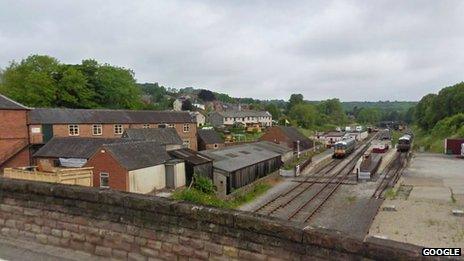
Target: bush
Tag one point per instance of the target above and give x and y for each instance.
(204, 185)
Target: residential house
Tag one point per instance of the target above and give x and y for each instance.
(177, 104)
(200, 118)
(288, 136)
(165, 136)
(245, 117)
(238, 166)
(195, 163)
(72, 152)
(46, 123)
(14, 145)
(209, 139)
(136, 166)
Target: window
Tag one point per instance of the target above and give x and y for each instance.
(146, 126)
(73, 130)
(97, 129)
(186, 127)
(162, 125)
(216, 145)
(104, 180)
(170, 125)
(186, 143)
(118, 129)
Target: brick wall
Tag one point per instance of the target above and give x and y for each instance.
(125, 225)
(85, 130)
(13, 124)
(104, 162)
(14, 150)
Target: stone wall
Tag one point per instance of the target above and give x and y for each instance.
(124, 225)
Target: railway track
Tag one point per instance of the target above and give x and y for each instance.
(392, 174)
(309, 208)
(288, 196)
(294, 204)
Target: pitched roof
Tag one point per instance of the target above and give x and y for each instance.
(72, 147)
(138, 154)
(68, 116)
(190, 156)
(164, 136)
(237, 157)
(293, 134)
(209, 136)
(8, 104)
(244, 113)
(273, 147)
(334, 134)
(10, 147)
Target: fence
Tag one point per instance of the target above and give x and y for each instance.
(72, 176)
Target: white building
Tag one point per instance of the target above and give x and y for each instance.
(228, 118)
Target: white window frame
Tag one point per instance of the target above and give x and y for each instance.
(97, 127)
(186, 143)
(104, 175)
(118, 129)
(186, 127)
(170, 125)
(146, 126)
(73, 130)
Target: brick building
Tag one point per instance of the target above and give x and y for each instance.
(136, 166)
(288, 136)
(99, 123)
(209, 139)
(14, 144)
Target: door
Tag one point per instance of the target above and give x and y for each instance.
(47, 132)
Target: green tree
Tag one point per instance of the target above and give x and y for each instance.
(305, 115)
(369, 115)
(295, 99)
(72, 91)
(273, 110)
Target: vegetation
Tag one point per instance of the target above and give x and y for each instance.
(203, 193)
(439, 116)
(42, 81)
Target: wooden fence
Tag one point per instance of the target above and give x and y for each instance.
(73, 176)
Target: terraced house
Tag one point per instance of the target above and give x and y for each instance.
(45, 123)
(245, 117)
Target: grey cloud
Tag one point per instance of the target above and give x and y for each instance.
(354, 50)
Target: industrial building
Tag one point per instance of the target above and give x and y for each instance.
(238, 166)
(165, 136)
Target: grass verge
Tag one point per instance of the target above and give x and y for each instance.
(197, 196)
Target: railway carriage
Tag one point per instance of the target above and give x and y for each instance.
(343, 148)
(404, 143)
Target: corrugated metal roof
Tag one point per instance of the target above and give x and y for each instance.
(209, 136)
(72, 147)
(233, 158)
(68, 116)
(165, 136)
(190, 156)
(138, 154)
(8, 104)
(273, 147)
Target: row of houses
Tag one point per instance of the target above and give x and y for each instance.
(136, 151)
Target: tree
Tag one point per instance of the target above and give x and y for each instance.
(305, 115)
(187, 105)
(273, 110)
(369, 115)
(32, 81)
(206, 95)
(294, 100)
(72, 91)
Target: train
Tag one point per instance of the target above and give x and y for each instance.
(343, 148)
(404, 143)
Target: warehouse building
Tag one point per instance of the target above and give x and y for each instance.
(238, 166)
(165, 136)
(195, 163)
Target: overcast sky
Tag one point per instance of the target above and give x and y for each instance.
(353, 50)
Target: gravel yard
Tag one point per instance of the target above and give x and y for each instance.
(424, 217)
